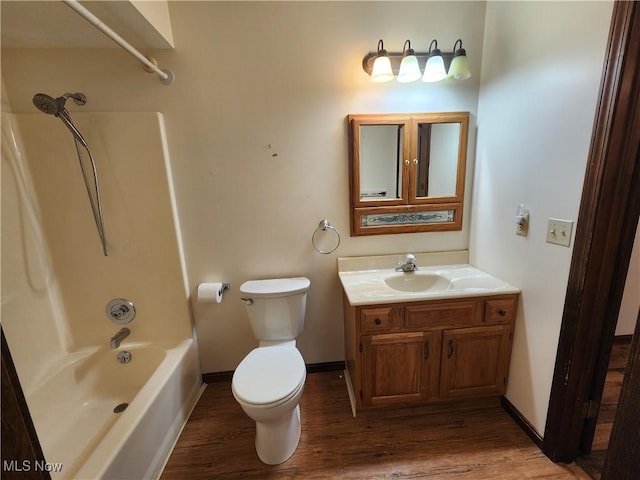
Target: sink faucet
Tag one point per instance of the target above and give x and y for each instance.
(408, 265)
(114, 342)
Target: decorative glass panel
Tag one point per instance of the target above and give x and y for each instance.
(406, 218)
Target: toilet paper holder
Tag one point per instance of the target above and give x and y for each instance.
(212, 292)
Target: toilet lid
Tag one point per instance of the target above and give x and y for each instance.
(275, 287)
(268, 374)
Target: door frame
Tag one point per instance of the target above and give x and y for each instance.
(605, 234)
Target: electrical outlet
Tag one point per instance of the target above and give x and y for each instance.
(559, 231)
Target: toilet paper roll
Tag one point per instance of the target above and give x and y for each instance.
(210, 292)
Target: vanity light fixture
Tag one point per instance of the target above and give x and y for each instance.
(459, 69)
(408, 65)
(434, 69)
(381, 71)
(409, 68)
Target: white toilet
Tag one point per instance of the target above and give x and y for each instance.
(268, 382)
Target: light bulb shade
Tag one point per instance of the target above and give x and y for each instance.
(381, 71)
(459, 68)
(409, 69)
(434, 70)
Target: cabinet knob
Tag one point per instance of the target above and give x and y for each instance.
(450, 349)
(377, 321)
(502, 313)
(426, 350)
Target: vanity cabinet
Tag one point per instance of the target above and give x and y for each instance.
(429, 351)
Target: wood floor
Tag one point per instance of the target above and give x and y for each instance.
(409, 443)
(593, 462)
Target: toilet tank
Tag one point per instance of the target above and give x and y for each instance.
(276, 306)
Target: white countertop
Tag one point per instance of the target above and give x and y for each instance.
(368, 287)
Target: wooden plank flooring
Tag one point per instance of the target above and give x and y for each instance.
(593, 462)
(407, 443)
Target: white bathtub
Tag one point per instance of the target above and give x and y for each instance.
(72, 409)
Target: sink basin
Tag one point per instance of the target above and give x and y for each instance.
(417, 282)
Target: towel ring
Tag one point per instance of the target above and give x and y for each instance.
(323, 226)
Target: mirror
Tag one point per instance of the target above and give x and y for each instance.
(437, 166)
(407, 171)
(380, 161)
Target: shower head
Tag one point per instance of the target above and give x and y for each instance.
(55, 106)
(47, 104)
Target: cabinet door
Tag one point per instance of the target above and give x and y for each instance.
(400, 367)
(475, 361)
(379, 150)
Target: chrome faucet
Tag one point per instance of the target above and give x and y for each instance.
(114, 342)
(409, 265)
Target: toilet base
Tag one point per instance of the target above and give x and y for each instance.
(276, 441)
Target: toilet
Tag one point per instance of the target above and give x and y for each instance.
(268, 382)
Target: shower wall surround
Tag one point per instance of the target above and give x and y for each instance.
(144, 262)
(33, 316)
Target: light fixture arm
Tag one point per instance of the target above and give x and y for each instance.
(406, 48)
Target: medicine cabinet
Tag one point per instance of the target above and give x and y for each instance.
(407, 172)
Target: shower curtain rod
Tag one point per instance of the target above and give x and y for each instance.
(166, 76)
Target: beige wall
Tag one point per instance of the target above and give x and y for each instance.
(250, 76)
(541, 73)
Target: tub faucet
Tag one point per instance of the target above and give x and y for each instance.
(409, 265)
(115, 341)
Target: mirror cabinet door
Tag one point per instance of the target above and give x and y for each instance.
(435, 164)
(381, 162)
(380, 153)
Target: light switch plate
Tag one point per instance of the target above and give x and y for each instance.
(559, 231)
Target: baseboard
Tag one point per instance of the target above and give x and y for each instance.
(216, 377)
(325, 367)
(522, 422)
(622, 338)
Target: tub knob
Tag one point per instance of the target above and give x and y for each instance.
(121, 310)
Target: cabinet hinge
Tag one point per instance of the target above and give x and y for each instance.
(360, 394)
(504, 381)
(360, 347)
(589, 409)
(510, 335)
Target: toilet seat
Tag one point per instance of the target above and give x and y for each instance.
(269, 376)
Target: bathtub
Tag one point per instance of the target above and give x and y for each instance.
(73, 409)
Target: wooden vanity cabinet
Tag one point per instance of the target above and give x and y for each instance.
(430, 351)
